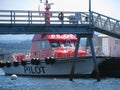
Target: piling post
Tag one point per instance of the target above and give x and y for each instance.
(75, 57)
(94, 59)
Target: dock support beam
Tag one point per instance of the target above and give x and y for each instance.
(75, 56)
(94, 59)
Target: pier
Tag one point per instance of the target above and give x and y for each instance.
(31, 22)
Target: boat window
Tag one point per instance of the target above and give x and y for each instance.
(43, 44)
(74, 43)
(47, 44)
(67, 44)
(40, 44)
(55, 44)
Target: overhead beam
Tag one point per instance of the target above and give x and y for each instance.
(43, 28)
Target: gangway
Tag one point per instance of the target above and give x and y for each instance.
(105, 25)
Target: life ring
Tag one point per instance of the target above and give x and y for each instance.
(61, 16)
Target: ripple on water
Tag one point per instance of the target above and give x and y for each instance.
(37, 83)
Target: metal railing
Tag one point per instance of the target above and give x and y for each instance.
(38, 17)
(106, 23)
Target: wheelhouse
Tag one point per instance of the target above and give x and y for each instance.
(54, 45)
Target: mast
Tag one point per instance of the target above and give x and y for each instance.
(90, 19)
(47, 12)
(89, 5)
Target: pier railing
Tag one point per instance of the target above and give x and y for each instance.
(38, 17)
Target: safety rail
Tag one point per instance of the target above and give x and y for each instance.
(38, 17)
(106, 23)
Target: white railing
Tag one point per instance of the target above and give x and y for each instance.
(38, 17)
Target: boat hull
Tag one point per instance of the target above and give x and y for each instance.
(59, 68)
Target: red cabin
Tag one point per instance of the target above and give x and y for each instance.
(54, 45)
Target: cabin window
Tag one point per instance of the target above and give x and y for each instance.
(67, 44)
(43, 44)
(47, 44)
(74, 43)
(39, 45)
(55, 44)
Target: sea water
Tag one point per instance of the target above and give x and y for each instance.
(39, 83)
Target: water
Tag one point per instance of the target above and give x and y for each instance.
(37, 83)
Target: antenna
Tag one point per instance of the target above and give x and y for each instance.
(46, 4)
(47, 9)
